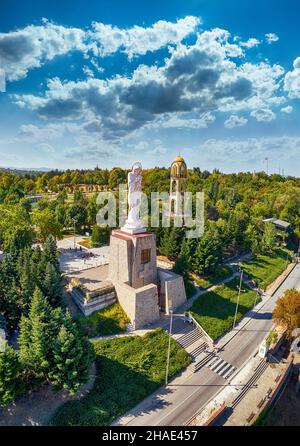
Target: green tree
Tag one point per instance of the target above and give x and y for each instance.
(61, 213)
(268, 240)
(27, 279)
(100, 235)
(10, 376)
(92, 209)
(50, 253)
(52, 285)
(252, 239)
(35, 338)
(208, 254)
(72, 356)
(183, 268)
(46, 224)
(171, 242)
(77, 213)
(117, 176)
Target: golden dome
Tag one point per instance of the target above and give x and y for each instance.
(178, 168)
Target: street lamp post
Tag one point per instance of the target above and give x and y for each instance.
(287, 259)
(238, 299)
(169, 346)
(256, 297)
(74, 221)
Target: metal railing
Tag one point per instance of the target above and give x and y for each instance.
(200, 327)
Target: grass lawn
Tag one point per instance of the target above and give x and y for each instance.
(222, 273)
(86, 243)
(264, 269)
(215, 310)
(109, 321)
(128, 370)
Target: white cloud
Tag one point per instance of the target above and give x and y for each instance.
(194, 81)
(263, 115)
(288, 109)
(292, 80)
(271, 37)
(235, 121)
(250, 43)
(33, 133)
(253, 148)
(32, 46)
(88, 72)
(107, 39)
(182, 120)
(157, 151)
(45, 147)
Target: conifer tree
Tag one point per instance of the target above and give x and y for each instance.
(208, 254)
(170, 244)
(50, 252)
(26, 280)
(72, 356)
(35, 337)
(10, 380)
(37, 254)
(52, 285)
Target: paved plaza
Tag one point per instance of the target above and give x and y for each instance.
(76, 259)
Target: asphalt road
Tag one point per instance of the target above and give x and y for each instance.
(174, 405)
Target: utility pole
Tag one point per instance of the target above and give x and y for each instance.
(169, 346)
(238, 299)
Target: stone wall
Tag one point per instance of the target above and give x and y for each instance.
(172, 290)
(97, 303)
(125, 264)
(140, 305)
(120, 259)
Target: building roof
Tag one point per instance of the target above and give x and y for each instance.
(278, 222)
(179, 158)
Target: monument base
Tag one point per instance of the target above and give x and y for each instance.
(132, 258)
(133, 271)
(142, 289)
(131, 230)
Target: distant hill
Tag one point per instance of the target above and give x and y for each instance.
(24, 170)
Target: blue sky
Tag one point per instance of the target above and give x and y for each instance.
(110, 82)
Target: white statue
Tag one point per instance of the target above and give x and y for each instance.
(133, 222)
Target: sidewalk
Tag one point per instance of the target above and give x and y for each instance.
(250, 402)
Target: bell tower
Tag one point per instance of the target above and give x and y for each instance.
(178, 178)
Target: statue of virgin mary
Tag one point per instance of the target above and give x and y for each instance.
(133, 222)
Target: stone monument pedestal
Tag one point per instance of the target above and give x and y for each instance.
(133, 258)
(133, 271)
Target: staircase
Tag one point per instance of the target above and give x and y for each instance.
(190, 338)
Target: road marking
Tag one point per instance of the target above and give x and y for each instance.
(181, 403)
(220, 367)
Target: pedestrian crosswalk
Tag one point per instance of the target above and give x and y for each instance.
(196, 344)
(217, 365)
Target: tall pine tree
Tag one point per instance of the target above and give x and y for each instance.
(10, 380)
(35, 338)
(52, 285)
(72, 356)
